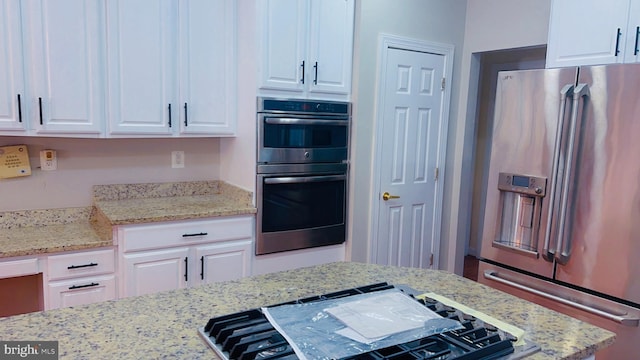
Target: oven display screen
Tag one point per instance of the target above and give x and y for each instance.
(522, 181)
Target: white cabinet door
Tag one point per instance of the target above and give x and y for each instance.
(632, 46)
(154, 271)
(587, 32)
(141, 39)
(306, 47)
(283, 25)
(81, 291)
(207, 67)
(331, 46)
(222, 262)
(65, 50)
(12, 96)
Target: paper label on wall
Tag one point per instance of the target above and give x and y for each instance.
(14, 161)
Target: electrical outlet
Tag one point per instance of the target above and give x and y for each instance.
(48, 160)
(177, 159)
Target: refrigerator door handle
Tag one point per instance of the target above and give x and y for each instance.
(547, 252)
(621, 319)
(563, 250)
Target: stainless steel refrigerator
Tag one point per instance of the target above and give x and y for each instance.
(562, 215)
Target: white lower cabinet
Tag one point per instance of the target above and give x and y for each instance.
(172, 255)
(149, 272)
(80, 278)
(222, 262)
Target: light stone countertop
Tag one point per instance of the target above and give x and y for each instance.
(144, 203)
(33, 232)
(164, 325)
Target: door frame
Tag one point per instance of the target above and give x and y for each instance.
(385, 43)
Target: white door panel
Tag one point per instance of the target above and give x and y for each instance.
(11, 69)
(65, 48)
(409, 153)
(141, 65)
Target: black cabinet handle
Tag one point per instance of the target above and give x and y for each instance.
(315, 79)
(302, 80)
(202, 268)
(186, 269)
(40, 106)
(82, 266)
(195, 234)
(635, 50)
(20, 101)
(169, 115)
(186, 122)
(83, 286)
(618, 42)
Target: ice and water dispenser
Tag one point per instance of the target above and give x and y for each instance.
(520, 207)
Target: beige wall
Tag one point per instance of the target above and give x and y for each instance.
(83, 163)
(440, 21)
(238, 154)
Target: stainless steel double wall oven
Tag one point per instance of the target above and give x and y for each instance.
(301, 188)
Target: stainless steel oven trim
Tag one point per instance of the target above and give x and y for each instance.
(305, 169)
(306, 121)
(306, 179)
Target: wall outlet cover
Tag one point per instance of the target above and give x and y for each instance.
(48, 160)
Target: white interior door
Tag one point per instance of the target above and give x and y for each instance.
(412, 117)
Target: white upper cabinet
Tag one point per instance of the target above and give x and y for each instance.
(593, 32)
(171, 67)
(12, 116)
(632, 46)
(207, 63)
(306, 47)
(56, 66)
(141, 66)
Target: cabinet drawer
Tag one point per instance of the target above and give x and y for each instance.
(162, 235)
(81, 264)
(19, 268)
(81, 291)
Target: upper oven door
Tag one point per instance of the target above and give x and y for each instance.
(289, 138)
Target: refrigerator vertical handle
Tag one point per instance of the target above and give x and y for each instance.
(563, 251)
(567, 90)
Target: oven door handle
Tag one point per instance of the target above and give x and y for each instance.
(303, 179)
(298, 121)
(621, 319)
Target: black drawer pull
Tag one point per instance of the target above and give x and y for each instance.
(40, 107)
(83, 286)
(20, 102)
(186, 269)
(186, 122)
(195, 234)
(202, 268)
(81, 266)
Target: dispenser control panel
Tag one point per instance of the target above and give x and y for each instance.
(524, 184)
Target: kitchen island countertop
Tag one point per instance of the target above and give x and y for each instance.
(164, 325)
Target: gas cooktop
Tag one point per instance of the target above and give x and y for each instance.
(250, 335)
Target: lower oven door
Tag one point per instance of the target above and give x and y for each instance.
(297, 211)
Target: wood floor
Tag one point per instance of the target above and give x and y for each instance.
(470, 267)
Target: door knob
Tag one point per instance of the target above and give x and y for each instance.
(386, 196)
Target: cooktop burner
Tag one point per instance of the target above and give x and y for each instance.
(249, 335)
